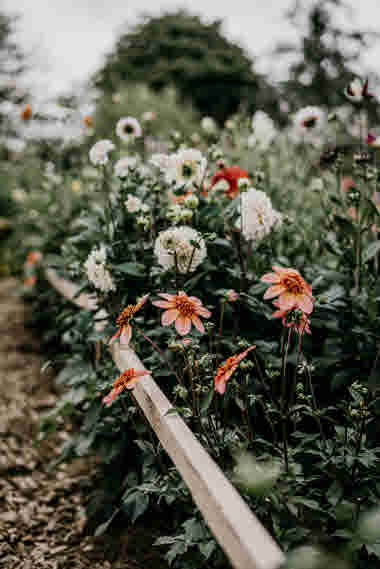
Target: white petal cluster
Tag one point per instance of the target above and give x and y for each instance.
(97, 273)
(355, 91)
(257, 215)
(99, 152)
(264, 131)
(186, 167)
(124, 165)
(134, 204)
(208, 125)
(173, 245)
(161, 161)
(128, 128)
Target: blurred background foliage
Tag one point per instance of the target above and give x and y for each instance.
(179, 67)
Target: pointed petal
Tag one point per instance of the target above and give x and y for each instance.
(169, 316)
(166, 295)
(270, 278)
(142, 372)
(197, 323)
(273, 291)
(202, 311)
(305, 303)
(183, 325)
(162, 304)
(287, 301)
(126, 335)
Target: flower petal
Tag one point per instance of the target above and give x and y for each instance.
(183, 325)
(273, 291)
(141, 372)
(202, 311)
(169, 316)
(305, 303)
(126, 335)
(287, 301)
(167, 295)
(163, 304)
(270, 278)
(197, 323)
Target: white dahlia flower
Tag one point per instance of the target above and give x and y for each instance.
(161, 161)
(186, 167)
(124, 165)
(310, 120)
(257, 215)
(264, 131)
(97, 273)
(133, 204)
(356, 91)
(99, 152)
(208, 125)
(173, 247)
(128, 128)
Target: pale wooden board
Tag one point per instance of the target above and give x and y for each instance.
(243, 538)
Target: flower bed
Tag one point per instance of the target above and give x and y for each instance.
(274, 370)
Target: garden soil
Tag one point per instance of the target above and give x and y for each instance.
(42, 515)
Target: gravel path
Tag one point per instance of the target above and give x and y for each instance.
(42, 520)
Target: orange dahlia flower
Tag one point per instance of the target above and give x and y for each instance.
(224, 371)
(127, 380)
(87, 121)
(183, 310)
(292, 290)
(124, 321)
(33, 257)
(26, 113)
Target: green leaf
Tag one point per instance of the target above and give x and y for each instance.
(100, 530)
(132, 269)
(207, 400)
(135, 504)
(372, 249)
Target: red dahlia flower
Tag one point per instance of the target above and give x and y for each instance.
(231, 175)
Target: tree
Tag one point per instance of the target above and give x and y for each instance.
(179, 49)
(12, 65)
(326, 55)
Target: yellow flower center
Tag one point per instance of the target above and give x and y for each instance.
(294, 284)
(124, 379)
(184, 306)
(125, 317)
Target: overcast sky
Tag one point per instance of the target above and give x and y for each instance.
(69, 37)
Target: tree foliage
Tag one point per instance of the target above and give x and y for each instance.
(325, 57)
(178, 48)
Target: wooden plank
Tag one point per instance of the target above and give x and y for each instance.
(240, 534)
